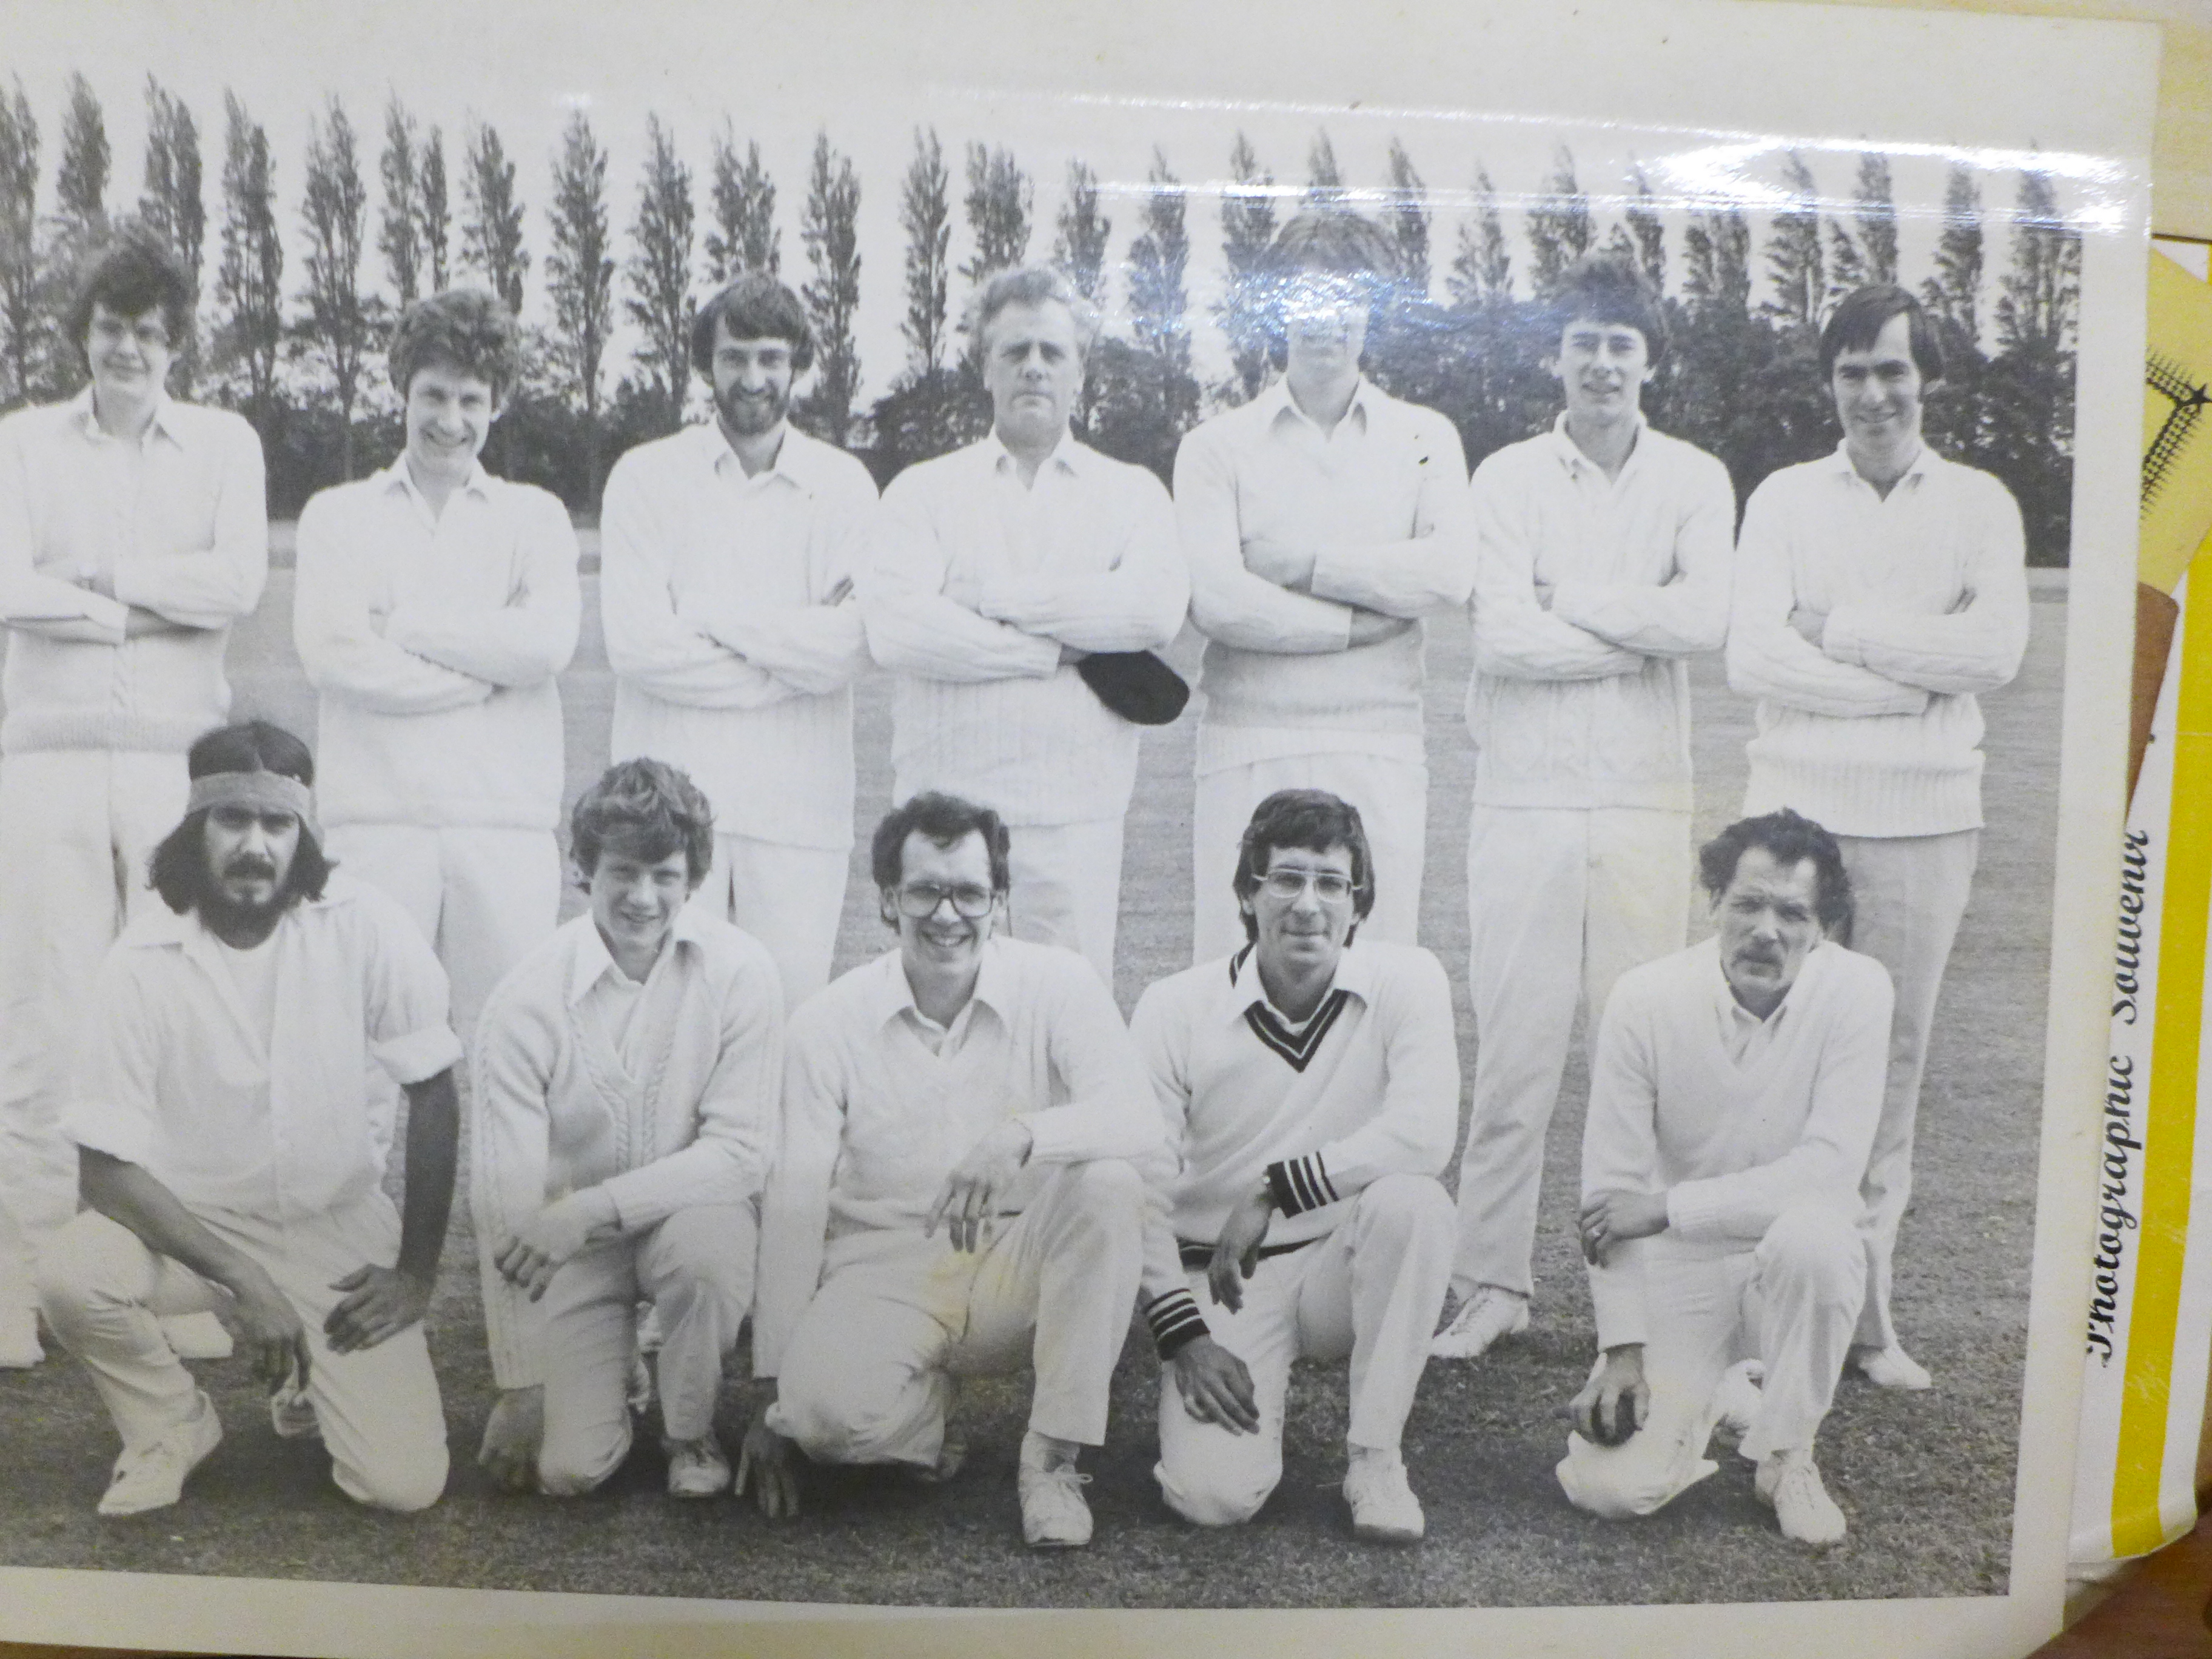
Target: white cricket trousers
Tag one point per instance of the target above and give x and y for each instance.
(789, 898)
(1392, 798)
(1789, 1302)
(1067, 887)
(1908, 893)
(1560, 902)
(1372, 1289)
(483, 897)
(871, 1371)
(77, 828)
(695, 1267)
(105, 1292)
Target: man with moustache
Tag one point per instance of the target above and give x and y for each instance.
(1734, 1098)
(133, 533)
(1878, 592)
(231, 1150)
(997, 568)
(728, 552)
(1605, 547)
(434, 606)
(1322, 520)
(981, 1084)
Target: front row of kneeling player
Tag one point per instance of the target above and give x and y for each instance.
(975, 1167)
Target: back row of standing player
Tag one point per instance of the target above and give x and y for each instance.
(750, 575)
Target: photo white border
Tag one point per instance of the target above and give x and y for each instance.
(1887, 80)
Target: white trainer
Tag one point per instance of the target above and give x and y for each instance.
(696, 1468)
(19, 1339)
(152, 1478)
(1054, 1516)
(1891, 1368)
(1383, 1508)
(1736, 1397)
(1789, 1483)
(197, 1336)
(1490, 1313)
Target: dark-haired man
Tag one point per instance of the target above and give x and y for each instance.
(1877, 590)
(728, 552)
(232, 1155)
(133, 532)
(971, 1082)
(435, 604)
(625, 1095)
(996, 569)
(1735, 1095)
(1311, 1087)
(1322, 520)
(1603, 568)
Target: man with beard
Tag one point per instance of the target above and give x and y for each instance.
(1732, 1101)
(728, 555)
(231, 1155)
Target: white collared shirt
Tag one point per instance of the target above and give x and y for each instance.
(176, 1076)
(433, 639)
(731, 629)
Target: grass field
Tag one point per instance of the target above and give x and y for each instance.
(1926, 1479)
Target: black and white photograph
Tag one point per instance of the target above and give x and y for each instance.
(1048, 812)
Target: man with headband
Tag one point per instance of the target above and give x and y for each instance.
(231, 1159)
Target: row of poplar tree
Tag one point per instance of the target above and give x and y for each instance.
(1742, 381)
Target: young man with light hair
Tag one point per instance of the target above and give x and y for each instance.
(965, 1081)
(1311, 1087)
(133, 533)
(1878, 592)
(434, 606)
(1322, 521)
(625, 1078)
(728, 552)
(1733, 1099)
(234, 1156)
(997, 570)
(1605, 547)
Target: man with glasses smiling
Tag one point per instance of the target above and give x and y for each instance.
(955, 1192)
(1310, 1088)
(133, 532)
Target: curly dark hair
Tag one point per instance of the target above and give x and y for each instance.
(132, 275)
(1789, 838)
(1609, 288)
(945, 819)
(648, 809)
(464, 329)
(178, 868)
(1315, 821)
(755, 307)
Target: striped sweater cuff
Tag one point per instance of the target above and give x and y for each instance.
(1176, 1322)
(1301, 1184)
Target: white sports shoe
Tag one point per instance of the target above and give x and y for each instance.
(1891, 1368)
(292, 1410)
(197, 1336)
(1482, 1319)
(19, 1339)
(1789, 1483)
(1054, 1516)
(1383, 1508)
(154, 1477)
(696, 1468)
(1736, 1397)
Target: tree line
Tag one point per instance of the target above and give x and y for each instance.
(296, 356)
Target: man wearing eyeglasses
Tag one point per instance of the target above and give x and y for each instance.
(133, 532)
(955, 1195)
(1310, 1090)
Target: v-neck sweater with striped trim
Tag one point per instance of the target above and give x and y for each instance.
(1732, 1146)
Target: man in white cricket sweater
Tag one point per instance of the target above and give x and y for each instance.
(1877, 591)
(625, 1075)
(1322, 520)
(1605, 548)
(1734, 1097)
(729, 553)
(133, 532)
(973, 1082)
(435, 605)
(1311, 1087)
(996, 569)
